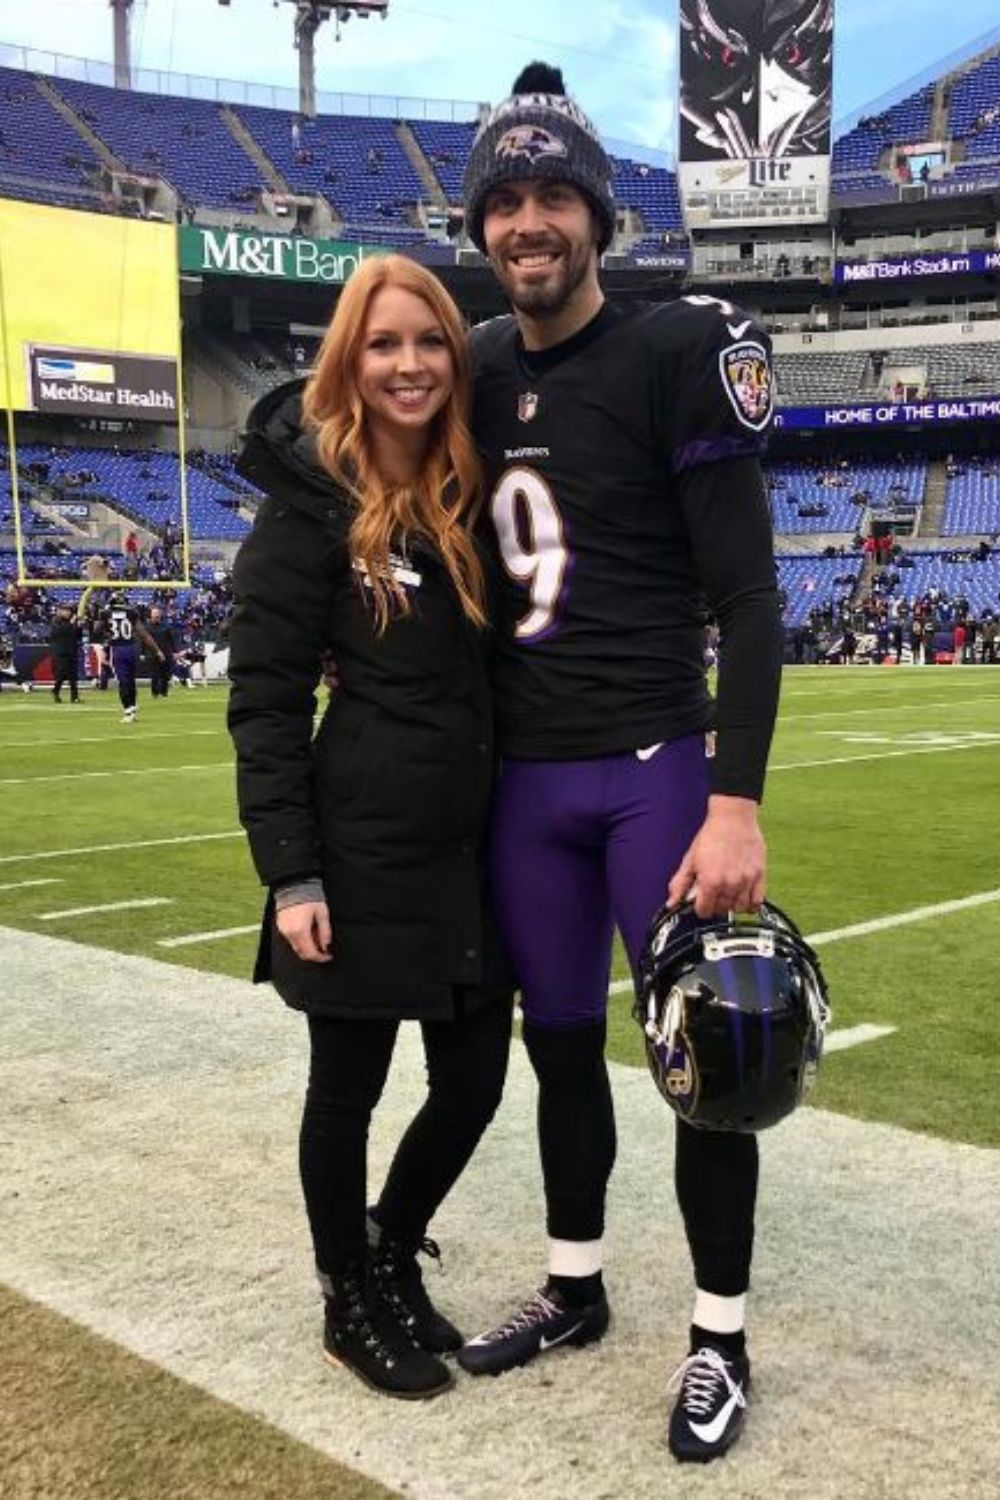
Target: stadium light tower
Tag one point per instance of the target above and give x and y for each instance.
(123, 61)
(309, 17)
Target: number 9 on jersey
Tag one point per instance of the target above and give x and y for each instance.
(530, 533)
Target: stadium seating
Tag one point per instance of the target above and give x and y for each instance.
(881, 486)
(974, 96)
(650, 190)
(811, 582)
(808, 380)
(145, 485)
(355, 162)
(979, 582)
(446, 145)
(42, 158)
(183, 140)
(860, 150)
(972, 498)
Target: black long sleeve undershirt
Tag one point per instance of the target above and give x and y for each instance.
(726, 509)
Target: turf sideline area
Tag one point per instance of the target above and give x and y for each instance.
(151, 1136)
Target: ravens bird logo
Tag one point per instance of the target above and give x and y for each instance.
(530, 141)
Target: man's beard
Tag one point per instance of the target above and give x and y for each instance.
(548, 298)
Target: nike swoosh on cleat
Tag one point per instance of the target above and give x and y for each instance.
(544, 1343)
(739, 330)
(648, 751)
(710, 1432)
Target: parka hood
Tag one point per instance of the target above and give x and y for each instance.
(280, 458)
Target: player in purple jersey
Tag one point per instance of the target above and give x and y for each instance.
(623, 483)
(123, 631)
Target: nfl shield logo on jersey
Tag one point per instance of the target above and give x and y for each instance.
(748, 382)
(527, 405)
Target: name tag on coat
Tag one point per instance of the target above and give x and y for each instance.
(400, 571)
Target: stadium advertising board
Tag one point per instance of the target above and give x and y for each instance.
(659, 260)
(891, 414)
(275, 257)
(90, 302)
(755, 92)
(910, 267)
(77, 382)
(984, 181)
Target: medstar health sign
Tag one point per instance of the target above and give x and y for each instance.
(276, 257)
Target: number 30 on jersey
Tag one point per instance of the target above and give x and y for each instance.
(530, 532)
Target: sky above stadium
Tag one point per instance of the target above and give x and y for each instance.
(618, 56)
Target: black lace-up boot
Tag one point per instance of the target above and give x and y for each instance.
(364, 1334)
(400, 1281)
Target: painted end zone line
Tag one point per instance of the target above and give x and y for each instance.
(86, 911)
(205, 937)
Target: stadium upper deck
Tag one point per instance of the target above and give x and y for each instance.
(61, 140)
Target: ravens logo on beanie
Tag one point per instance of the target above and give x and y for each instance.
(538, 133)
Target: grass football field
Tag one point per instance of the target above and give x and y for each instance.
(882, 800)
(881, 823)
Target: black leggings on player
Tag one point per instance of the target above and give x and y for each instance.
(715, 1172)
(466, 1067)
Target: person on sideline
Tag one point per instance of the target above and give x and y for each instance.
(370, 834)
(64, 639)
(624, 490)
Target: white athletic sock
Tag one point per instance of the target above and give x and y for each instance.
(575, 1257)
(719, 1314)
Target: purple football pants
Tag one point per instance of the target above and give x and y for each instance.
(577, 849)
(580, 847)
(123, 659)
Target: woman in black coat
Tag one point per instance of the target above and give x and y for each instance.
(369, 832)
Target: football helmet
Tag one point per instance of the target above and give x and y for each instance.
(733, 1012)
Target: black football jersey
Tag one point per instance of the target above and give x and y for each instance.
(585, 448)
(120, 623)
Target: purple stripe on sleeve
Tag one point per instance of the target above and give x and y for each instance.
(710, 450)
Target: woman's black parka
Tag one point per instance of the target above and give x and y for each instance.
(388, 802)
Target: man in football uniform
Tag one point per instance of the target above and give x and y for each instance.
(123, 631)
(624, 488)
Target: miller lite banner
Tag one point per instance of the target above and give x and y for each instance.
(756, 81)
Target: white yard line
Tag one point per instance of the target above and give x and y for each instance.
(876, 924)
(846, 760)
(87, 911)
(110, 739)
(206, 937)
(892, 708)
(904, 918)
(184, 838)
(20, 885)
(210, 765)
(854, 1036)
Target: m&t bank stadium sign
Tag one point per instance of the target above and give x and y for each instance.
(276, 257)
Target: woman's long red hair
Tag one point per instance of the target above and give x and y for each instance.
(439, 504)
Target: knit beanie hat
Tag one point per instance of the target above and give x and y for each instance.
(538, 132)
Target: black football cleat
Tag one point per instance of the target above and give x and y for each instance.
(546, 1321)
(711, 1404)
